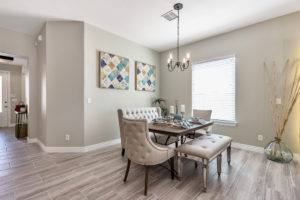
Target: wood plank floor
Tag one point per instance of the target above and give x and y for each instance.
(26, 172)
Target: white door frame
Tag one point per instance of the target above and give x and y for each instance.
(8, 96)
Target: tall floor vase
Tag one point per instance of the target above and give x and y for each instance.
(277, 151)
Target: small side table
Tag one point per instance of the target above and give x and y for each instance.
(20, 116)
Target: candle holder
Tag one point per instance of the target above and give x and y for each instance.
(182, 115)
(172, 117)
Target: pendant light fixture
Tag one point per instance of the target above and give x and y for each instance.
(186, 60)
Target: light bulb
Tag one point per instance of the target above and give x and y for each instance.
(168, 60)
(183, 60)
(171, 56)
(188, 56)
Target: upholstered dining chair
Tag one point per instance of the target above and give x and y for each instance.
(206, 115)
(148, 113)
(141, 150)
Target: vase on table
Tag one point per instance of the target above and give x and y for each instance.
(277, 151)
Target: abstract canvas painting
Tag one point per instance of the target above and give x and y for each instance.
(114, 71)
(145, 77)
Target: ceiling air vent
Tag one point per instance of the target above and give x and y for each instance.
(169, 15)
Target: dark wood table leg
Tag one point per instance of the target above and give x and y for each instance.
(155, 137)
(166, 143)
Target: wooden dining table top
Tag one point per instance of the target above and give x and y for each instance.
(176, 131)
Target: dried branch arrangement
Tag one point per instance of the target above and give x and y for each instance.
(283, 91)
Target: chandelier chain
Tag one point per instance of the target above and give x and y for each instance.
(186, 60)
(178, 36)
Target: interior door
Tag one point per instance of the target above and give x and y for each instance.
(4, 104)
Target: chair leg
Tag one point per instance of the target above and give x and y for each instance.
(219, 164)
(229, 154)
(146, 180)
(176, 144)
(180, 165)
(205, 171)
(123, 152)
(172, 167)
(196, 164)
(127, 170)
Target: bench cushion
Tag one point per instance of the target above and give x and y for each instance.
(206, 146)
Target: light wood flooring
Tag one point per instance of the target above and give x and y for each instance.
(26, 172)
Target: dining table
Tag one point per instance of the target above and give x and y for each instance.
(176, 131)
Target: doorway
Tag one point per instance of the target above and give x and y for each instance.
(14, 89)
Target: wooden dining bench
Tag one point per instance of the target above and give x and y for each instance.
(205, 149)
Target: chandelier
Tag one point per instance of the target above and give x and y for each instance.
(186, 61)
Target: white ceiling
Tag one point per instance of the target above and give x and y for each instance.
(140, 21)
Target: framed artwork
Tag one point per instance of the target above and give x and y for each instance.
(114, 71)
(145, 77)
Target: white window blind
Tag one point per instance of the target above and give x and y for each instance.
(213, 88)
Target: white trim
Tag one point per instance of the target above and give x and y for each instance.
(214, 59)
(102, 145)
(32, 140)
(73, 149)
(11, 125)
(296, 157)
(246, 147)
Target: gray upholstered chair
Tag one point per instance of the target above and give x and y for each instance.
(142, 150)
(148, 113)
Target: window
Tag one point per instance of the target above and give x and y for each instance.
(213, 87)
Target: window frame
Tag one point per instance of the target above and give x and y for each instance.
(218, 121)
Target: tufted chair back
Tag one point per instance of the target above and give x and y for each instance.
(139, 146)
(148, 113)
(204, 114)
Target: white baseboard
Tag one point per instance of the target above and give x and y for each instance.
(100, 145)
(32, 140)
(296, 157)
(256, 149)
(247, 147)
(73, 149)
(12, 125)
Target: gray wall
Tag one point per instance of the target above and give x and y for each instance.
(60, 60)
(68, 60)
(64, 83)
(41, 78)
(274, 40)
(20, 44)
(15, 87)
(100, 117)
